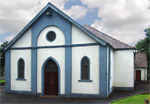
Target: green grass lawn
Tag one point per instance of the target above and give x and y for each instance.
(137, 99)
(2, 80)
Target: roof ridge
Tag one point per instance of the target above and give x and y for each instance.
(108, 35)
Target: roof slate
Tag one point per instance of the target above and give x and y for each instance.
(140, 60)
(116, 44)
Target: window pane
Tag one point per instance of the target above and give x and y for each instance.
(51, 66)
(21, 62)
(85, 76)
(21, 69)
(85, 69)
(21, 74)
(85, 61)
(51, 36)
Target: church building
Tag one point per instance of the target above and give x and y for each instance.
(54, 55)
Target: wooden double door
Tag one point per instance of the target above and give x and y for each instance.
(51, 78)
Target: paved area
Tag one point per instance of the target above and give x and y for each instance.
(30, 99)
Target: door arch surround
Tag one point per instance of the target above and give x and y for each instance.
(43, 73)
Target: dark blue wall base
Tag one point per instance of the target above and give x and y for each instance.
(102, 96)
(7, 91)
(40, 94)
(110, 92)
(61, 95)
(75, 95)
(124, 88)
(20, 92)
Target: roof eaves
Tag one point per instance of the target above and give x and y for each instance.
(110, 46)
(141, 67)
(125, 48)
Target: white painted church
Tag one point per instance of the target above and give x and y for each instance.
(54, 55)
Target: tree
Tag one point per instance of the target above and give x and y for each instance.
(2, 56)
(147, 32)
(144, 46)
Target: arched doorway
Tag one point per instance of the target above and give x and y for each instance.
(51, 78)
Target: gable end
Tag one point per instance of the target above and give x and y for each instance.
(49, 5)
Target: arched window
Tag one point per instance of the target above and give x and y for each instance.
(85, 68)
(21, 69)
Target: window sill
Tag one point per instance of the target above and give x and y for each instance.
(21, 79)
(84, 80)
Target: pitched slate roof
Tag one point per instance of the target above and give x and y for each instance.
(140, 60)
(116, 44)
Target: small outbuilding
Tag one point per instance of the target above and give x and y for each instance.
(141, 66)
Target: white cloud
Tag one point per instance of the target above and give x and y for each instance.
(10, 37)
(76, 12)
(2, 31)
(14, 15)
(122, 19)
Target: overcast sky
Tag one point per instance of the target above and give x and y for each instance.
(124, 20)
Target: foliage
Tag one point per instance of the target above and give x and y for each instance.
(147, 32)
(137, 99)
(2, 55)
(2, 80)
(144, 46)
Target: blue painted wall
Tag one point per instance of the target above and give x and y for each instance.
(7, 71)
(42, 22)
(33, 71)
(103, 72)
(109, 72)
